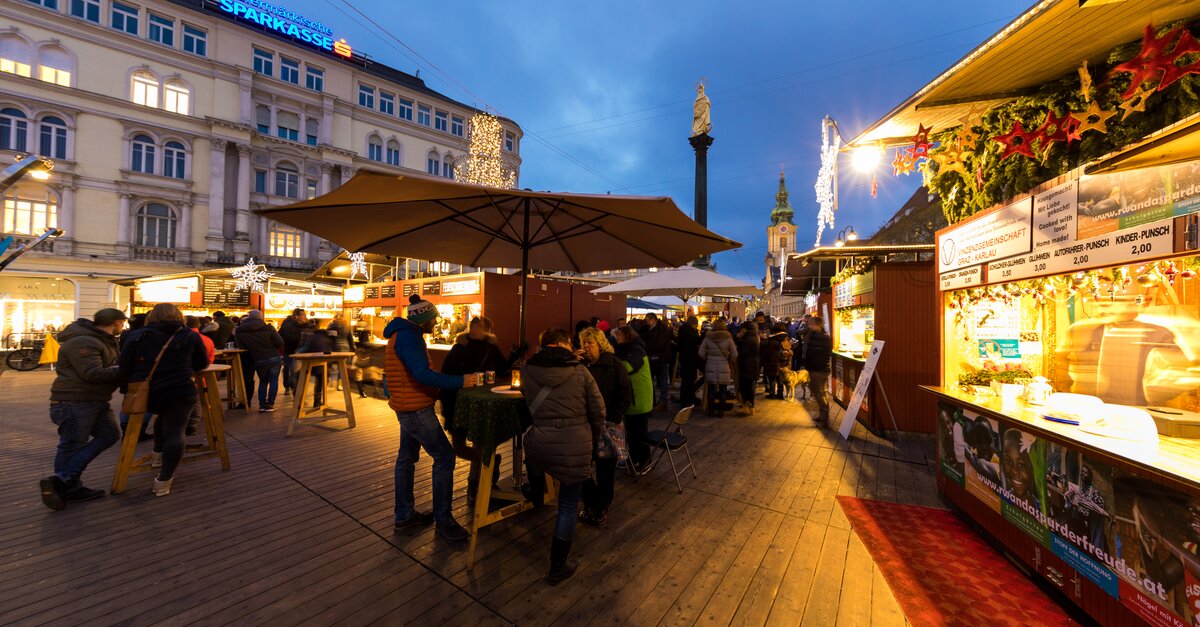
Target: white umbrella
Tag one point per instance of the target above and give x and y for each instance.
(683, 283)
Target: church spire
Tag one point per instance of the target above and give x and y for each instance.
(782, 214)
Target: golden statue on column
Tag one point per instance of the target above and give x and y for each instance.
(701, 123)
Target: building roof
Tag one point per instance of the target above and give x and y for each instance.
(782, 213)
(917, 221)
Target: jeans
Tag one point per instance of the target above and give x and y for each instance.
(168, 433)
(817, 382)
(318, 381)
(660, 373)
(248, 376)
(421, 429)
(289, 373)
(268, 380)
(636, 426)
(568, 501)
(598, 492)
(77, 422)
(774, 385)
(689, 372)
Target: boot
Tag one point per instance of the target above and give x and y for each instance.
(560, 568)
(362, 392)
(496, 472)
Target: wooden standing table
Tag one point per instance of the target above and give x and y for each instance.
(321, 413)
(214, 433)
(235, 385)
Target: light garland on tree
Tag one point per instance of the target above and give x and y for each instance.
(251, 277)
(485, 164)
(358, 265)
(830, 143)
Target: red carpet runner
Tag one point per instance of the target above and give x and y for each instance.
(960, 581)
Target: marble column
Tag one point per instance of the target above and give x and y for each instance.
(242, 236)
(123, 217)
(183, 236)
(326, 173)
(245, 85)
(215, 238)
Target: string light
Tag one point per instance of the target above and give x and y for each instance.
(830, 142)
(484, 163)
(251, 277)
(358, 265)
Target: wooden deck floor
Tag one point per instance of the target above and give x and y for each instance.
(300, 532)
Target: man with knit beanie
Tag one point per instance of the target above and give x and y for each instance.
(413, 388)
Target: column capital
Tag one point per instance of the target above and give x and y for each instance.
(218, 144)
(126, 195)
(326, 167)
(245, 150)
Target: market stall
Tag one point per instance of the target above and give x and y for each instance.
(202, 292)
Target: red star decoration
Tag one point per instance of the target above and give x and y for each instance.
(921, 143)
(1071, 125)
(1149, 62)
(1172, 72)
(1017, 141)
(1053, 129)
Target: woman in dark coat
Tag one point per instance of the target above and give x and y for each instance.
(173, 386)
(776, 354)
(568, 414)
(747, 364)
(617, 391)
(688, 342)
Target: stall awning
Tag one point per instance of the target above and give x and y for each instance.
(1045, 43)
(1175, 144)
(338, 268)
(830, 253)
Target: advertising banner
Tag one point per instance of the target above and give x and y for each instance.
(996, 235)
(1127, 200)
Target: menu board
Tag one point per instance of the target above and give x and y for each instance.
(223, 292)
(387, 291)
(843, 295)
(996, 235)
(432, 288)
(410, 289)
(965, 277)
(1151, 241)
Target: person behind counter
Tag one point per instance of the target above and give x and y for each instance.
(262, 343)
(474, 351)
(818, 349)
(290, 330)
(413, 389)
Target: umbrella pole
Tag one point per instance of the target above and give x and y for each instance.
(518, 470)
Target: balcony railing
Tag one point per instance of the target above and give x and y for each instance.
(146, 253)
(45, 247)
(290, 263)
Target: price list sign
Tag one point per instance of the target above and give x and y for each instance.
(387, 291)
(223, 292)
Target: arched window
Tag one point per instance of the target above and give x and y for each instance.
(448, 166)
(311, 131)
(14, 130)
(145, 89)
(393, 152)
(55, 65)
(174, 160)
(177, 97)
(287, 180)
(284, 241)
(262, 119)
(29, 208)
(15, 55)
(287, 125)
(52, 137)
(143, 157)
(433, 164)
(155, 226)
(374, 148)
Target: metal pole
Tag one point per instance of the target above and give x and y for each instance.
(524, 272)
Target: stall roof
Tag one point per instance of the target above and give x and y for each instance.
(131, 282)
(338, 268)
(827, 253)
(1177, 143)
(1045, 43)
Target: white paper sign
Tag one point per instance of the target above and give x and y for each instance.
(1148, 242)
(965, 277)
(1054, 216)
(860, 389)
(997, 235)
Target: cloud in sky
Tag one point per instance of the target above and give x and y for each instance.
(611, 83)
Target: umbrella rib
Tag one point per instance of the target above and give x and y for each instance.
(471, 224)
(578, 227)
(559, 241)
(465, 215)
(545, 223)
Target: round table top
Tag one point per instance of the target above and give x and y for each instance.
(338, 355)
(489, 418)
(229, 351)
(216, 368)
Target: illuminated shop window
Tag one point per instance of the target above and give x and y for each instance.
(29, 209)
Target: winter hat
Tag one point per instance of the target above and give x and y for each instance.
(420, 311)
(255, 314)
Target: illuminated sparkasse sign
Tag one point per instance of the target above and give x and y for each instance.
(287, 22)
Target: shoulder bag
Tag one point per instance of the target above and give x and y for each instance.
(137, 395)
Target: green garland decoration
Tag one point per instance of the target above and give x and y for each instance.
(846, 314)
(962, 196)
(861, 266)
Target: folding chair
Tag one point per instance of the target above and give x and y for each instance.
(670, 440)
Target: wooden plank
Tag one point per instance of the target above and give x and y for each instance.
(824, 597)
(797, 581)
(854, 609)
(764, 585)
(725, 599)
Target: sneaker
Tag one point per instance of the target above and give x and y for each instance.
(418, 519)
(83, 494)
(162, 488)
(156, 460)
(593, 519)
(452, 531)
(266, 409)
(53, 490)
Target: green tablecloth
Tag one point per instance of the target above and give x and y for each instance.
(490, 418)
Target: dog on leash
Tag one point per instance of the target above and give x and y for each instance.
(791, 380)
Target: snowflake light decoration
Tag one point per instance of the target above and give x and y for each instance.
(826, 194)
(358, 265)
(251, 277)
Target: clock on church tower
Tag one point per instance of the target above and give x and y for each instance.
(781, 235)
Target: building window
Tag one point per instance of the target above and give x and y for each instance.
(289, 70)
(145, 89)
(86, 9)
(314, 78)
(52, 137)
(55, 65)
(440, 121)
(142, 159)
(174, 160)
(161, 29)
(374, 149)
(311, 135)
(366, 96)
(510, 141)
(264, 62)
(287, 180)
(406, 107)
(53, 75)
(15, 56)
(124, 18)
(49, 4)
(433, 164)
(393, 152)
(260, 181)
(310, 189)
(387, 103)
(14, 130)
(195, 41)
(155, 226)
(285, 241)
(176, 97)
(262, 119)
(448, 167)
(456, 126)
(287, 125)
(423, 114)
(28, 210)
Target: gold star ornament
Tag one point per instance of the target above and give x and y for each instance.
(1092, 119)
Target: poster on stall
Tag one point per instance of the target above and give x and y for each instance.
(981, 476)
(952, 447)
(1130, 199)
(1023, 482)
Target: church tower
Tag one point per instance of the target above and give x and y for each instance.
(781, 235)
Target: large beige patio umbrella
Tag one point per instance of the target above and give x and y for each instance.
(683, 283)
(478, 226)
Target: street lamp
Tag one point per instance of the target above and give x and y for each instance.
(36, 166)
(845, 235)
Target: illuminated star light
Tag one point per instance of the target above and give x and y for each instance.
(251, 277)
(358, 265)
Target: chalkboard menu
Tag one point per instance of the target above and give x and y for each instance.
(387, 291)
(432, 288)
(372, 293)
(410, 289)
(223, 292)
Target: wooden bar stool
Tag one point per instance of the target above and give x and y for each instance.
(214, 430)
(321, 413)
(235, 383)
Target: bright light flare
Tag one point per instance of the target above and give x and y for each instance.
(867, 158)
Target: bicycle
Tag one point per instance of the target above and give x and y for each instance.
(28, 351)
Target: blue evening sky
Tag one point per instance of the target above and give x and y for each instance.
(610, 84)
